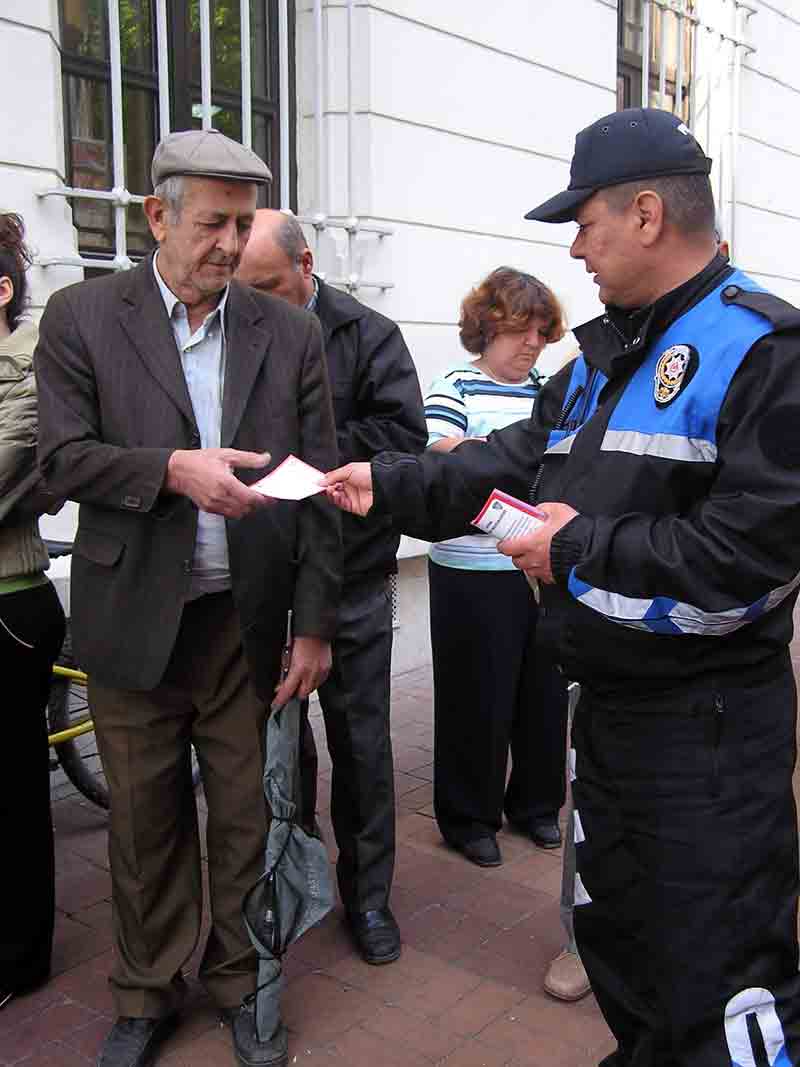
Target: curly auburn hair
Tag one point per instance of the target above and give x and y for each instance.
(506, 302)
(15, 258)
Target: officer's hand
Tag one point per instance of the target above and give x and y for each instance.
(308, 668)
(350, 488)
(206, 476)
(531, 552)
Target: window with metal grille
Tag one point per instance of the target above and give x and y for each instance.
(664, 35)
(145, 56)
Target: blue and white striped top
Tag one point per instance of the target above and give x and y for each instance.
(466, 402)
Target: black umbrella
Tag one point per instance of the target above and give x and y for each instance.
(295, 892)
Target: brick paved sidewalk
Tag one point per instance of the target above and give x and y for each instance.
(465, 993)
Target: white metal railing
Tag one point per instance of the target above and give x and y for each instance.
(718, 45)
(120, 196)
(319, 217)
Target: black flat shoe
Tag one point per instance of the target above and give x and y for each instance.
(376, 935)
(135, 1042)
(543, 832)
(482, 851)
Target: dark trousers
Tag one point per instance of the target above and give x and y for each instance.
(493, 689)
(31, 634)
(686, 898)
(205, 697)
(355, 707)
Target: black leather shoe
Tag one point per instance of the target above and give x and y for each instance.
(483, 851)
(376, 935)
(135, 1042)
(543, 832)
(249, 1051)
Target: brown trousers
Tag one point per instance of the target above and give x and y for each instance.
(205, 698)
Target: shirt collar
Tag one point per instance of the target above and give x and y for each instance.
(311, 303)
(171, 301)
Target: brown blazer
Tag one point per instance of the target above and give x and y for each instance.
(113, 405)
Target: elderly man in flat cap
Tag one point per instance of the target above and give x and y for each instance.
(667, 459)
(156, 387)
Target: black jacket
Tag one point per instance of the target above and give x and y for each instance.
(717, 535)
(377, 407)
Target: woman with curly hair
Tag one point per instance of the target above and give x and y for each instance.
(493, 688)
(31, 633)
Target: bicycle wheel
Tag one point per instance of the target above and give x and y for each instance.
(77, 758)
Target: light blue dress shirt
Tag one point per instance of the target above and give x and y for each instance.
(203, 359)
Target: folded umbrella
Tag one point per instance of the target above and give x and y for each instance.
(296, 891)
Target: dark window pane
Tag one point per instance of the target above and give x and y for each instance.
(83, 28)
(89, 133)
(226, 55)
(262, 148)
(140, 136)
(226, 45)
(259, 48)
(136, 33)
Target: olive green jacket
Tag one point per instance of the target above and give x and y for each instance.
(22, 550)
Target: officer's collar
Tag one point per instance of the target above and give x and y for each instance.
(617, 336)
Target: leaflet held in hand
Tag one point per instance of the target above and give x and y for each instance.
(291, 480)
(504, 516)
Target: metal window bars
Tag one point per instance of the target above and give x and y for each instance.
(121, 197)
(724, 25)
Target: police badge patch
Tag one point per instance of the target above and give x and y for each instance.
(674, 370)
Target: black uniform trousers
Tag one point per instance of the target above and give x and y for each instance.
(31, 634)
(686, 897)
(494, 688)
(355, 705)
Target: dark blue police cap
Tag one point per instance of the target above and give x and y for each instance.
(626, 146)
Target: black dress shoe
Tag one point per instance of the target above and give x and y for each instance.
(249, 1051)
(482, 851)
(376, 935)
(135, 1042)
(543, 832)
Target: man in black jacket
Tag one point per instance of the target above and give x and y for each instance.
(377, 407)
(669, 452)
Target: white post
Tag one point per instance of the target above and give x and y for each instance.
(205, 63)
(679, 72)
(283, 82)
(319, 128)
(646, 8)
(351, 221)
(247, 87)
(121, 194)
(736, 84)
(662, 69)
(162, 51)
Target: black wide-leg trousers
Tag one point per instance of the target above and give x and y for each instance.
(687, 887)
(31, 634)
(494, 689)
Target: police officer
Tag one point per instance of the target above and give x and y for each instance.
(667, 457)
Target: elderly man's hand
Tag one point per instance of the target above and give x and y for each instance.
(531, 552)
(206, 476)
(309, 666)
(350, 488)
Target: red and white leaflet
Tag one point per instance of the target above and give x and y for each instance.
(291, 480)
(504, 516)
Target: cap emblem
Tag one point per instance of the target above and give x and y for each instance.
(672, 369)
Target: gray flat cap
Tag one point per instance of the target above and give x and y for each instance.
(206, 154)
